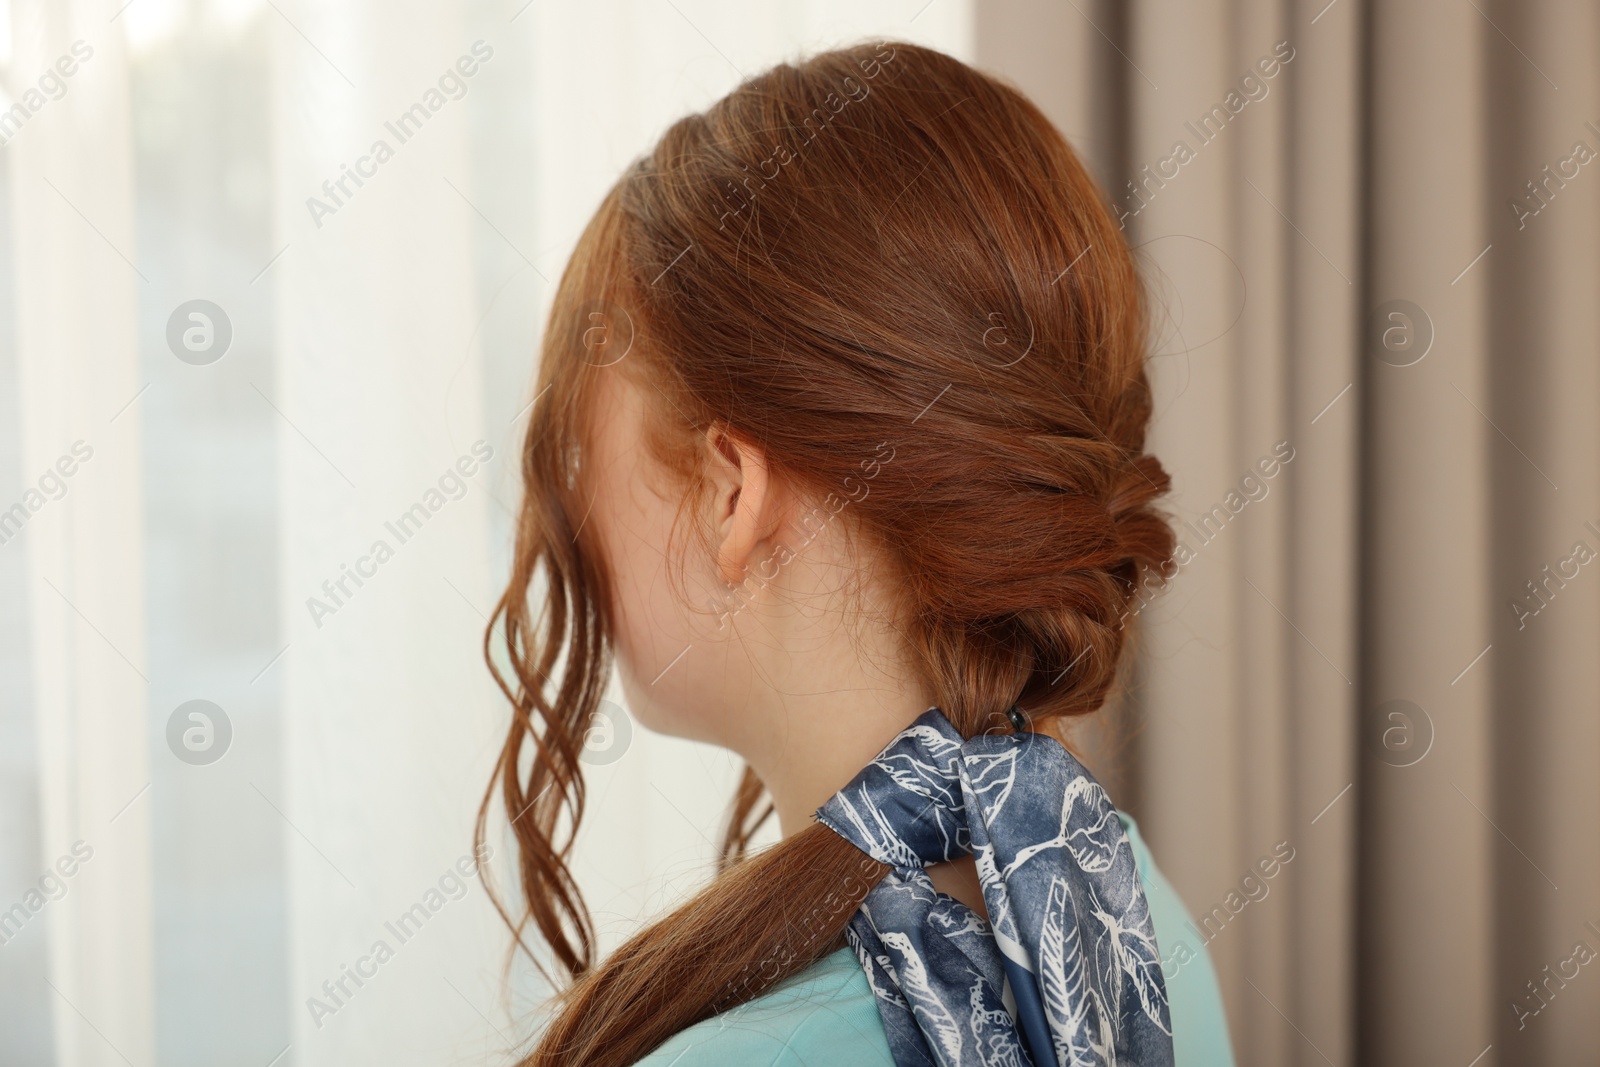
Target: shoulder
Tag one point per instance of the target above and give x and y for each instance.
(1199, 1023)
(825, 1016)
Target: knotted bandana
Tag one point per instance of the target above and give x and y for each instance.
(1066, 971)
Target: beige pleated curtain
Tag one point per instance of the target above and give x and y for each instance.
(1385, 657)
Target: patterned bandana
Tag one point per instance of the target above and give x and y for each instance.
(1066, 971)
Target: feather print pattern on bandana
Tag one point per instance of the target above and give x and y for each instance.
(1069, 934)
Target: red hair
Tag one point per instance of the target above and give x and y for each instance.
(878, 244)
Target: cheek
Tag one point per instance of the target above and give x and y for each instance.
(652, 623)
(672, 643)
(647, 619)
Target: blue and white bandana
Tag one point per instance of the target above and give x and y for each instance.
(1069, 941)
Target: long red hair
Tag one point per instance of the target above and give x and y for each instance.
(877, 245)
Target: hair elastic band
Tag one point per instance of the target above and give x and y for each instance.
(1018, 720)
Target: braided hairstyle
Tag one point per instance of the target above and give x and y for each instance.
(877, 264)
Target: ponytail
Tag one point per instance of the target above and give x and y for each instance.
(762, 920)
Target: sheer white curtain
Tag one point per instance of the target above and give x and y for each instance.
(80, 593)
(388, 722)
(223, 541)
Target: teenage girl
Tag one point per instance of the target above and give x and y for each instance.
(838, 457)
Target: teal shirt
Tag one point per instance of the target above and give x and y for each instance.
(825, 1016)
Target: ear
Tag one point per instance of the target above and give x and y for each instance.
(745, 509)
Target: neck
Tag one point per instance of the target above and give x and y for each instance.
(816, 744)
(824, 741)
(816, 677)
